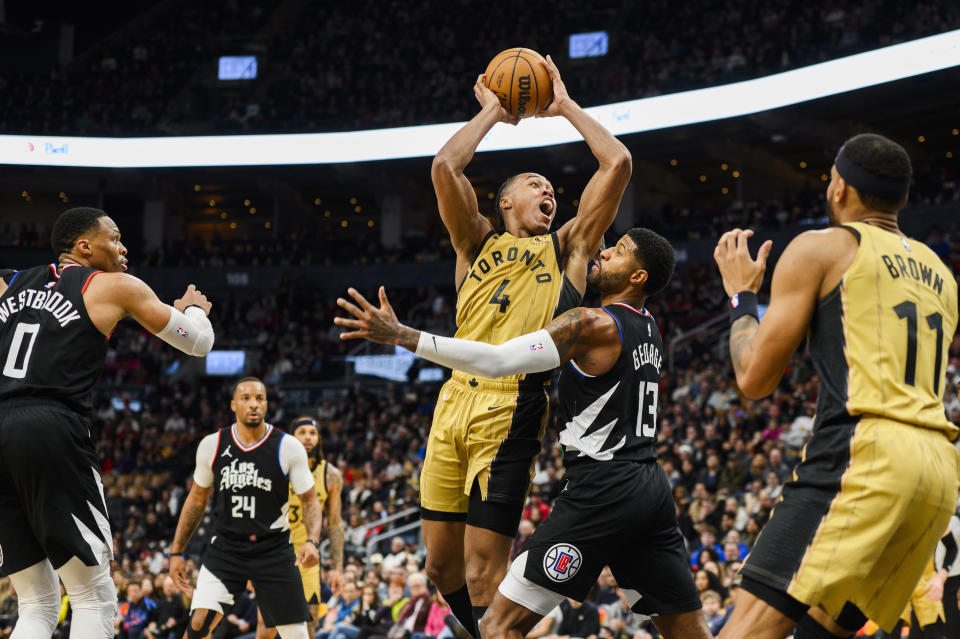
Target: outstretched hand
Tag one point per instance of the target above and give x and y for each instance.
(560, 95)
(739, 271)
(375, 324)
(489, 99)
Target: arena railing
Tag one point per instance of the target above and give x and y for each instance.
(821, 80)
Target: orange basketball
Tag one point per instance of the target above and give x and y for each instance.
(520, 81)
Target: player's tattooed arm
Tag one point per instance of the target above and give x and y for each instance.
(334, 518)
(566, 330)
(375, 324)
(587, 335)
(310, 506)
(190, 516)
(741, 342)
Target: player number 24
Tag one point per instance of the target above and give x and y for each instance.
(243, 503)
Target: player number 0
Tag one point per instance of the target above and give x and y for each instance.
(647, 419)
(10, 369)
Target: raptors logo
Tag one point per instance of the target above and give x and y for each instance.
(561, 562)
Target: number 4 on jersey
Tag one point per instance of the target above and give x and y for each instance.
(500, 298)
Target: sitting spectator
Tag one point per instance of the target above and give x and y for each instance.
(136, 613)
(524, 530)
(398, 555)
(413, 617)
(577, 620)
(436, 624)
(368, 617)
(341, 609)
(708, 540)
(171, 613)
(713, 611)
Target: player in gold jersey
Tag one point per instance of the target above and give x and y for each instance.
(878, 480)
(329, 484)
(486, 433)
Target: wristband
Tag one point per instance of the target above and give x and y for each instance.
(196, 305)
(315, 544)
(170, 555)
(743, 303)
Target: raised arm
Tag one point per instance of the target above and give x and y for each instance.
(184, 325)
(601, 198)
(760, 351)
(580, 333)
(456, 198)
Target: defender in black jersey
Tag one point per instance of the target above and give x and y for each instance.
(249, 467)
(617, 508)
(55, 321)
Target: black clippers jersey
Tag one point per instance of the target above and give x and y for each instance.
(48, 345)
(614, 416)
(250, 489)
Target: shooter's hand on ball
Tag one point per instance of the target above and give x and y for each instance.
(375, 324)
(489, 100)
(561, 99)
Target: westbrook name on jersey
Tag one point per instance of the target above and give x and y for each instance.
(49, 348)
(613, 416)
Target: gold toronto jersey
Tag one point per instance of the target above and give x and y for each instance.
(512, 288)
(298, 530)
(893, 316)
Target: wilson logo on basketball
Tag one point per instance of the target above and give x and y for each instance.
(523, 82)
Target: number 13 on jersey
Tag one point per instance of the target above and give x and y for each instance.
(647, 409)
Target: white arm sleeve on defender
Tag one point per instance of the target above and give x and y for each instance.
(203, 473)
(530, 353)
(190, 332)
(293, 462)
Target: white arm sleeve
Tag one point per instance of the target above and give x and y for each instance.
(203, 473)
(293, 462)
(530, 353)
(190, 332)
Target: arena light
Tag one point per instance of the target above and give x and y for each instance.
(792, 87)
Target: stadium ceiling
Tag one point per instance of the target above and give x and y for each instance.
(830, 78)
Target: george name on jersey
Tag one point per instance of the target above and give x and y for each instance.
(240, 474)
(647, 353)
(484, 266)
(61, 309)
(915, 269)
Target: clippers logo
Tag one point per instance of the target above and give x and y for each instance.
(562, 562)
(536, 347)
(182, 333)
(735, 300)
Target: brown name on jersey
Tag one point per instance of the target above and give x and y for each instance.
(897, 266)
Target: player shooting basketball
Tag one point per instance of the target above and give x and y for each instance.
(486, 433)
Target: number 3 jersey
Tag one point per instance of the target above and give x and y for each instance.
(880, 340)
(250, 484)
(48, 345)
(613, 416)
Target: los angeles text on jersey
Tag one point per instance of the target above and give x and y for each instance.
(512, 255)
(60, 308)
(240, 474)
(897, 266)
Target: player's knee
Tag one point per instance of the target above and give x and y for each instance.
(42, 609)
(441, 573)
(90, 588)
(484, 575)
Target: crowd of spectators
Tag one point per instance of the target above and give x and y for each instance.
(366, 65)
(727, 457)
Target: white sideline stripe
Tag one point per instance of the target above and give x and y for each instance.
(834, 77)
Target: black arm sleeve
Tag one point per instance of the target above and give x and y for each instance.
(951, 545)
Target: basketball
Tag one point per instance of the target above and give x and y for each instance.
(520, 81)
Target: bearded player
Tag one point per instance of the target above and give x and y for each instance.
(329, 484)
(486, 432)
